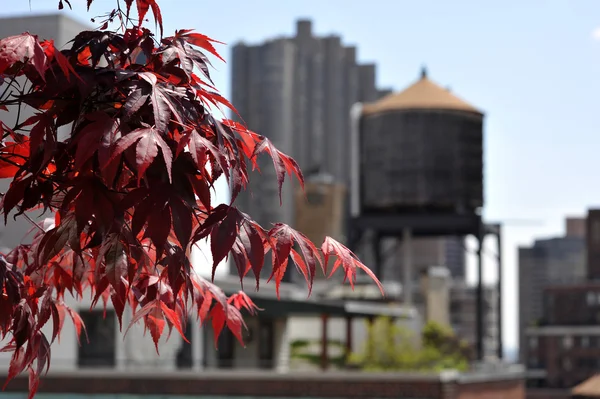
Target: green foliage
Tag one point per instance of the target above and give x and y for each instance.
(310, 351)
(390, 347)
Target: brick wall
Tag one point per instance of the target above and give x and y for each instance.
(492, 390)
(540, 393)
(261, 384)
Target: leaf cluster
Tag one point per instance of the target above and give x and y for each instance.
(122, 151)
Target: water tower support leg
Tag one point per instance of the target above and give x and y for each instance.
(408, 266)
(479, 300)
(499, 295)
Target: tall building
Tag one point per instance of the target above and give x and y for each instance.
(61, 29)
(563, 349)
(593, 244)
(298, 91)
(553, 261)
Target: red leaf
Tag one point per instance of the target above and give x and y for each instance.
(251, 238)
(173, 319)
(22, 48)
(58, 319)
(200, 146)
(115, 260)
(155, 323)
(281, 162)
(146, 150)
(89, 138)
(300, 265)
(218, 316)
(207, 291)
(61, 60)
(284, 237)
(162, 99)
(119, 305)
(45, 308)
(12, 157)
(77, 322)
(182, 221)
(16, 366)
(222, 238)
(242, 301)
(55, 240)
(159, 226)
(43, 356)
(65, 65)
(348, 260)
(157, 15)
(143, 6)
(149, 307)
(235, 323)
(200, 40)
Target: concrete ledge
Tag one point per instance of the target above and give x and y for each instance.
(512, 372)
(267, 383)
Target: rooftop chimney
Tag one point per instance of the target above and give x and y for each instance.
(304, 28)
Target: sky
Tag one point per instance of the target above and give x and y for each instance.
(532, 66)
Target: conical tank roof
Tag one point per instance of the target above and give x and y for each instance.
(423, 94)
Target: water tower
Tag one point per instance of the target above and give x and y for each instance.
(417, 171)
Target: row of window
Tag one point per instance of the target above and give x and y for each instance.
(567, 342)
(99, 350)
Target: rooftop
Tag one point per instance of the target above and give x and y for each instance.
(589, 388)
(423, 94)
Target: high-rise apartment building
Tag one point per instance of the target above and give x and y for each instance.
(553, 261)
(298, 91)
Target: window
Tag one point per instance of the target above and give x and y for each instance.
(567, 342)
(533, 342)
(101, 331)
(226, 349)
(185, 353)
(566, 364)
(591, 298)
(266, 336)
(584, 342)
(533, 362)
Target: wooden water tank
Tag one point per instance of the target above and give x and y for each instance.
(421, 150)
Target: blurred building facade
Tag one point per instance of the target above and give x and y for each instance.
(552, 261)
(562, 347)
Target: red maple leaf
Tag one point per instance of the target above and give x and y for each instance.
(149, 142)
(22, 48)
(282, 163)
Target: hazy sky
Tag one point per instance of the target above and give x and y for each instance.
(533, 66)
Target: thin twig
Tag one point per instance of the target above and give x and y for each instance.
(34, 223)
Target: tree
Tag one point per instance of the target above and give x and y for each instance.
(389, 347)
(129, 185)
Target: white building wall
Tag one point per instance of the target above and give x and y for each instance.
(134, 351)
